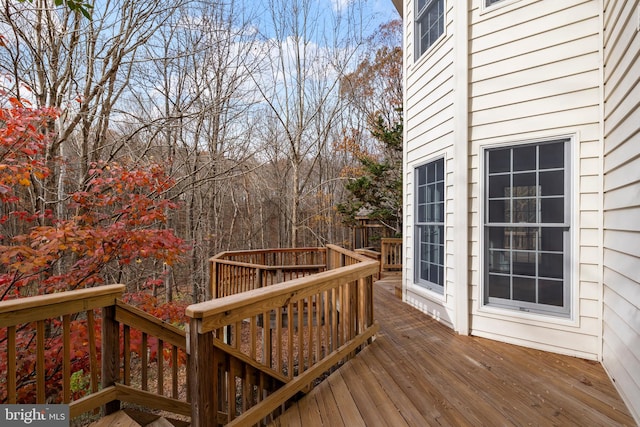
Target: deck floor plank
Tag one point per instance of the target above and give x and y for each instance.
(346, 405)
(328, 408)
(368, 394)
(419, 372)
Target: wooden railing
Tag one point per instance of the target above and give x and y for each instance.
(242, 271)
(62, 324)
(243, 357)
(391, 254)
(251, 352)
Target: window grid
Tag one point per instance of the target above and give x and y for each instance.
(526, 227)
(430, 225)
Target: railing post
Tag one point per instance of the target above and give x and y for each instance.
(202, 372)
(213, 279)
(110, 354)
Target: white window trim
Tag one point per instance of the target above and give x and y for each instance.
(416, 37)
(496, 6)
(534, 318)
(432, 291)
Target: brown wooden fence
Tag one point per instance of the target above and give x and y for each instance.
(251, 352)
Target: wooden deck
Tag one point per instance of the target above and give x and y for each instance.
(419, 373)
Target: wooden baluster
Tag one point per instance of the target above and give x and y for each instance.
(234, 371)
(267, 337)
(93, 356)
(253, 332)
(145, 362)
(66, 358)
(334, 320)
(290, 329)
(40, 372)
(310, 330)
(319, 326)
(126, 343)
(279, 339)
(11, 364)
(300, 334)
(160, 366)
(174, 371)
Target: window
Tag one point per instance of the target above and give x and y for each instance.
(430, 226)
(429, 24)
(490, 2)
(526, 227)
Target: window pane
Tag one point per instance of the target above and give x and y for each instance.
(552, 239)
(499, 262)
(524, 210)
(524, 238)
(524, 289)
(500, 186)
(551, 265)
(499, 161)
(498, 239)
(499, 286)
(552, 155)
(424, 271)
(552, 183)
(439, 193)
(439, 212)
(524, 158)
(431, 172)
(422, 195)
(524, 184)
(422, 175)
(422, 213)
(524, 263)
(435, 236)
(431, 189)
(551, 292)
(434, 254)
(440, 170)
(499, 211)
(553, 210)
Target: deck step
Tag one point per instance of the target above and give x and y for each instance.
(118, 419)
(131, 418)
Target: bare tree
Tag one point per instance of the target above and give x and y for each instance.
(306, 52)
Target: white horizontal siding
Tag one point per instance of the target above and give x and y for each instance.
(429, 111)
(535, 74)
(621, 299)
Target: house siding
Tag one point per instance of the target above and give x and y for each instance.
(429, 109)
(621, 278)
(535, 75)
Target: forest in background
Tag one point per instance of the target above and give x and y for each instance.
(166, 132)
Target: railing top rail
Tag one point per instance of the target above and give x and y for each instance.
(349, 253)
(41, 307)
(270, 267)
(222, 255)
(225, 310)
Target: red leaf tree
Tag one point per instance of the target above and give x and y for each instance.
(112, 230)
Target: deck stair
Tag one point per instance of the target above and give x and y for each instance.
(132, 418)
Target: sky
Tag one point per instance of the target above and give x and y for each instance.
(376, 12)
